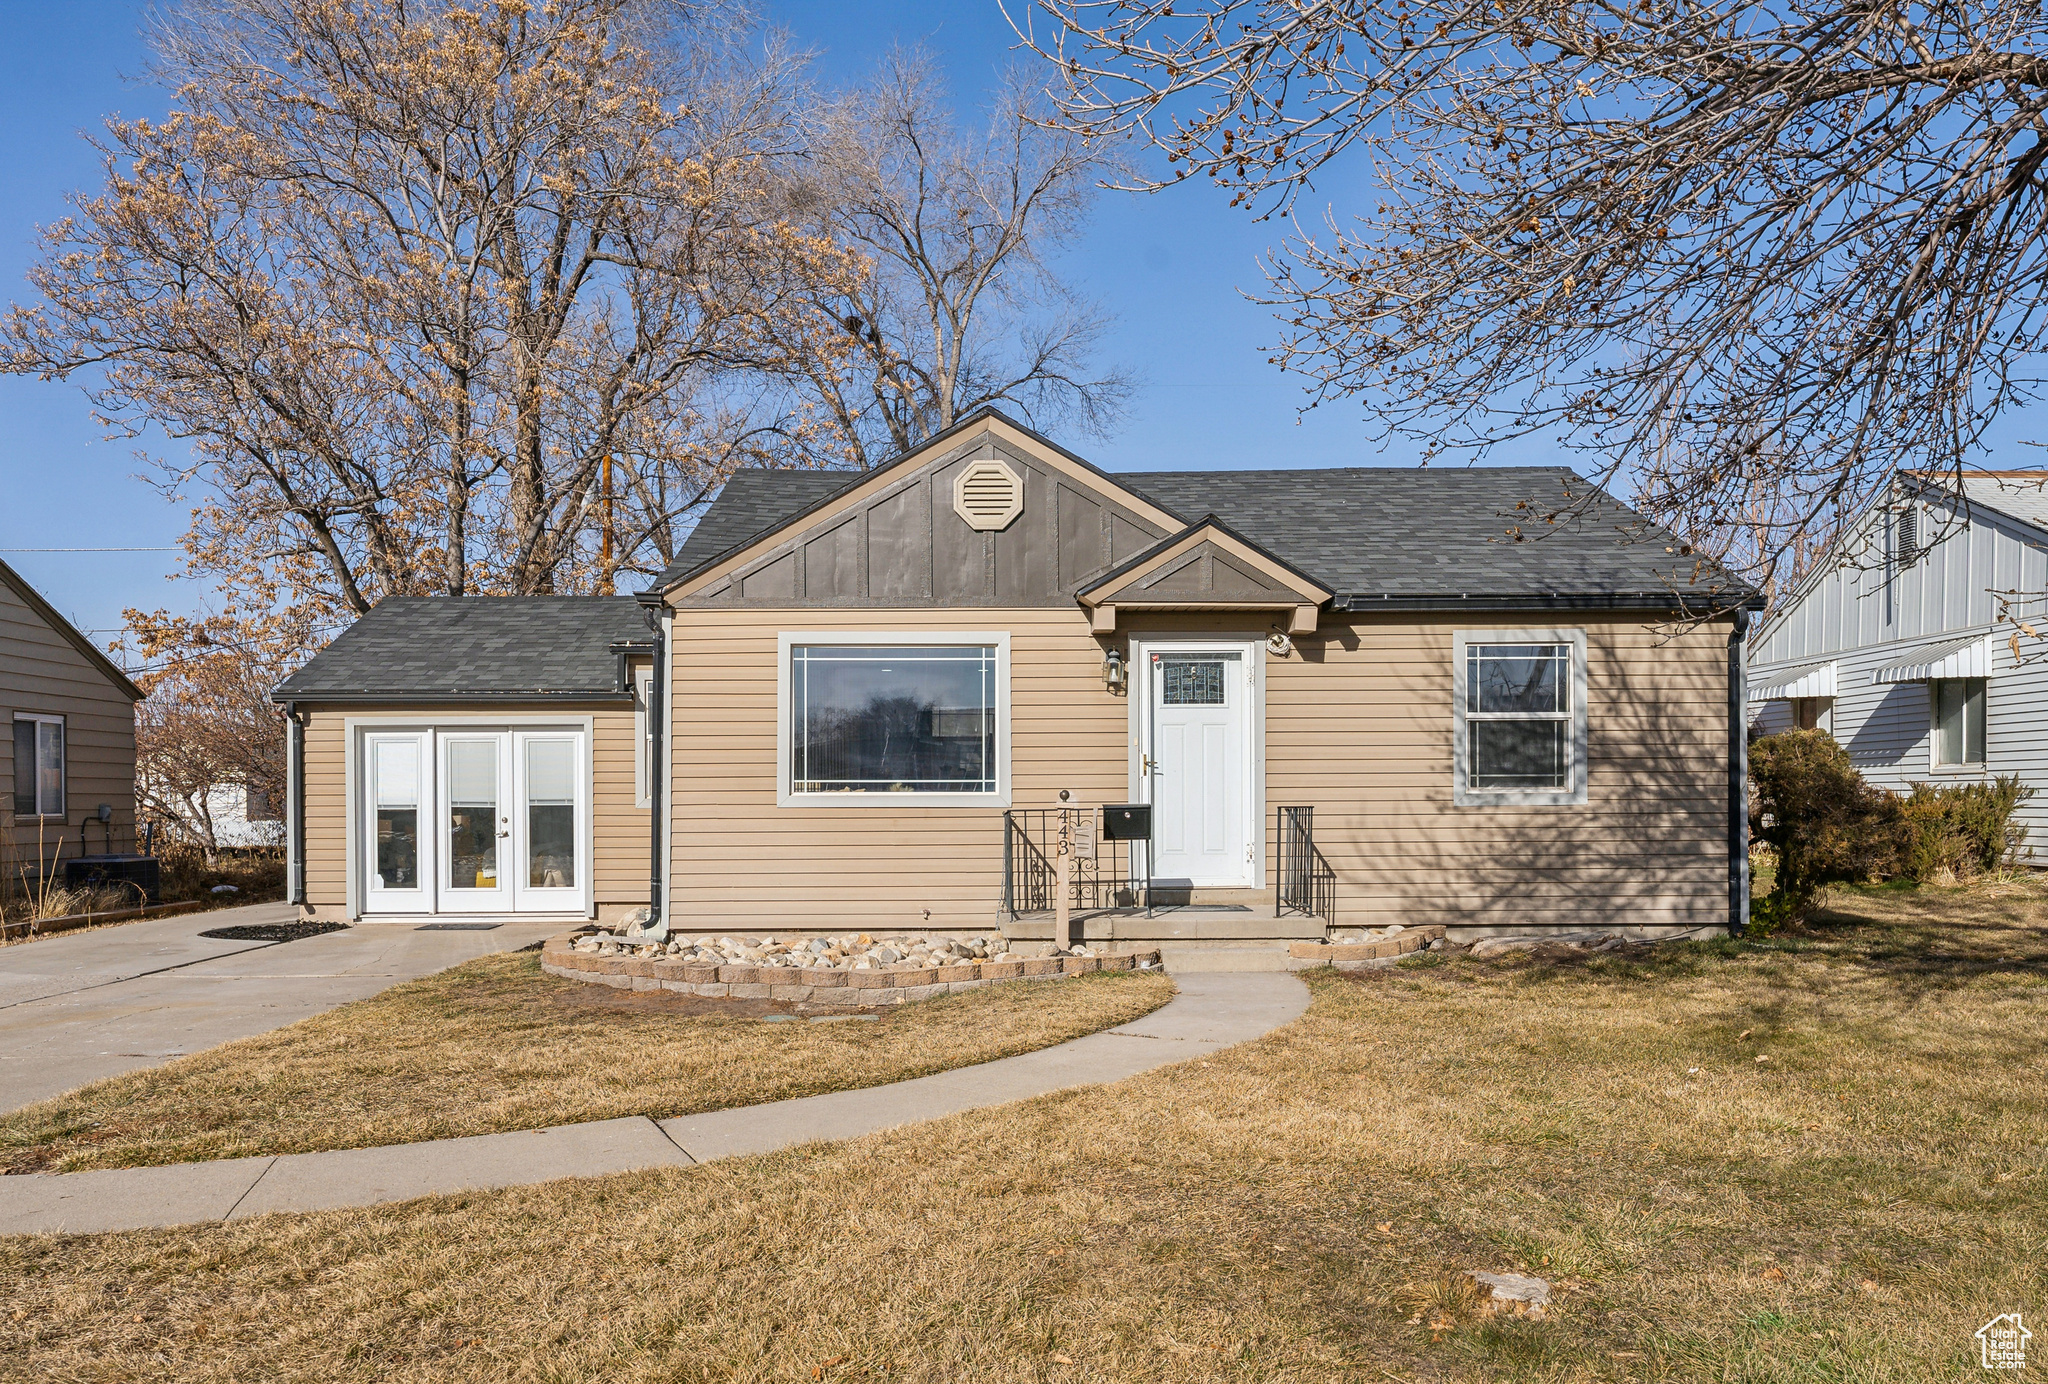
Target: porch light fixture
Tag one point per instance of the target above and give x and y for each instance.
(1113, 669)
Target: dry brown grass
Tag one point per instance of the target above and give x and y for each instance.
(1296, 1210)
(496, 1045)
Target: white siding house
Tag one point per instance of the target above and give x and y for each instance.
(1904, 648)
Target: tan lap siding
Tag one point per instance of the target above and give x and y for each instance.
(620, 867)
(741, 861)
(43, 672)
(1358, 726)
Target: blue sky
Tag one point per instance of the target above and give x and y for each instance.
(1171, 268)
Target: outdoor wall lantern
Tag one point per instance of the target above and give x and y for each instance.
(1113, 669)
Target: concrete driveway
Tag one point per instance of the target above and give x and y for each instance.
(75, 1009)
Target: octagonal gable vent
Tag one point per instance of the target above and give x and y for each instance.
(988, 495)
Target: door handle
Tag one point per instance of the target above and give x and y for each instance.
(1146, 765)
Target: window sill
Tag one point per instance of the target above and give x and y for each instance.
(1517, 797)
(898, 801)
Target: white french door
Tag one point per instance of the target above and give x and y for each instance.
(1196, 769)
(476, 820)
(547, 780)
(397, 822)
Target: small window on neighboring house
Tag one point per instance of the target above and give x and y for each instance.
(38, 766)
(256, 804)
(1958, 721)
(1811, 713)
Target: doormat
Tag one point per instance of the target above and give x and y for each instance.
(273, 932)
(456, 927)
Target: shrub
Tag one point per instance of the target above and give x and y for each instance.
(1962, 829)
(1824, 823)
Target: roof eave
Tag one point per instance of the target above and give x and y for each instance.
(1610, 600)
(284, 696)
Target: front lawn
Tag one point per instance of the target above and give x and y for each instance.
(1300, 1209)
(495, 1044)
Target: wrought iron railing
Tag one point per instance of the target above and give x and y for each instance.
(1307, 884)
(1099, 873)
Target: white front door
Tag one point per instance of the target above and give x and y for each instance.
(397, 824)
(1200, 702)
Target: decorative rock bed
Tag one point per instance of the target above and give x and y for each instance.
(845, 973)
(1353, 949)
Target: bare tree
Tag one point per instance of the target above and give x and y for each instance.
(208, 722)
(439, 294)
(1737, 250)
(959, 306)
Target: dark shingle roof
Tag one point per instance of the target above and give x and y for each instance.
(474, 646)
(1369, 533)
(752, 500)
(1385, 532)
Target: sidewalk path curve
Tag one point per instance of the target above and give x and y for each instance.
(1211, 1012)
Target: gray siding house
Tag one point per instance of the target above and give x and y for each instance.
(1904, 647)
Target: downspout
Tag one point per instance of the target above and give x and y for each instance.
(295, 771)
(1738, 774)
(655, 816)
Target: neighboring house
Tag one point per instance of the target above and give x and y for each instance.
(1901, 648)
(70, 743)
(868, 689)
(243, 818)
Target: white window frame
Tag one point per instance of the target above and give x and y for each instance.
(643, 752)
(1462, 792)
(786, 640)
(38, 718)
(1967, 766)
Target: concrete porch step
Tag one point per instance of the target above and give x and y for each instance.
(1193, 958)
(1174, 924)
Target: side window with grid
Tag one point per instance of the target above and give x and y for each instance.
(1520, 719)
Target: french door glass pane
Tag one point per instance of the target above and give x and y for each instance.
(551, 814)
(473, 814)
(395, 774)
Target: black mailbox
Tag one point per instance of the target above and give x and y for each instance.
(1127, 822)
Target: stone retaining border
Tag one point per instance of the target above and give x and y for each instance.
(814, 988)
(1352, 956)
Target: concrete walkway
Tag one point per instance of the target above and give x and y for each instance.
(1212, 1012)
(86, 1005)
